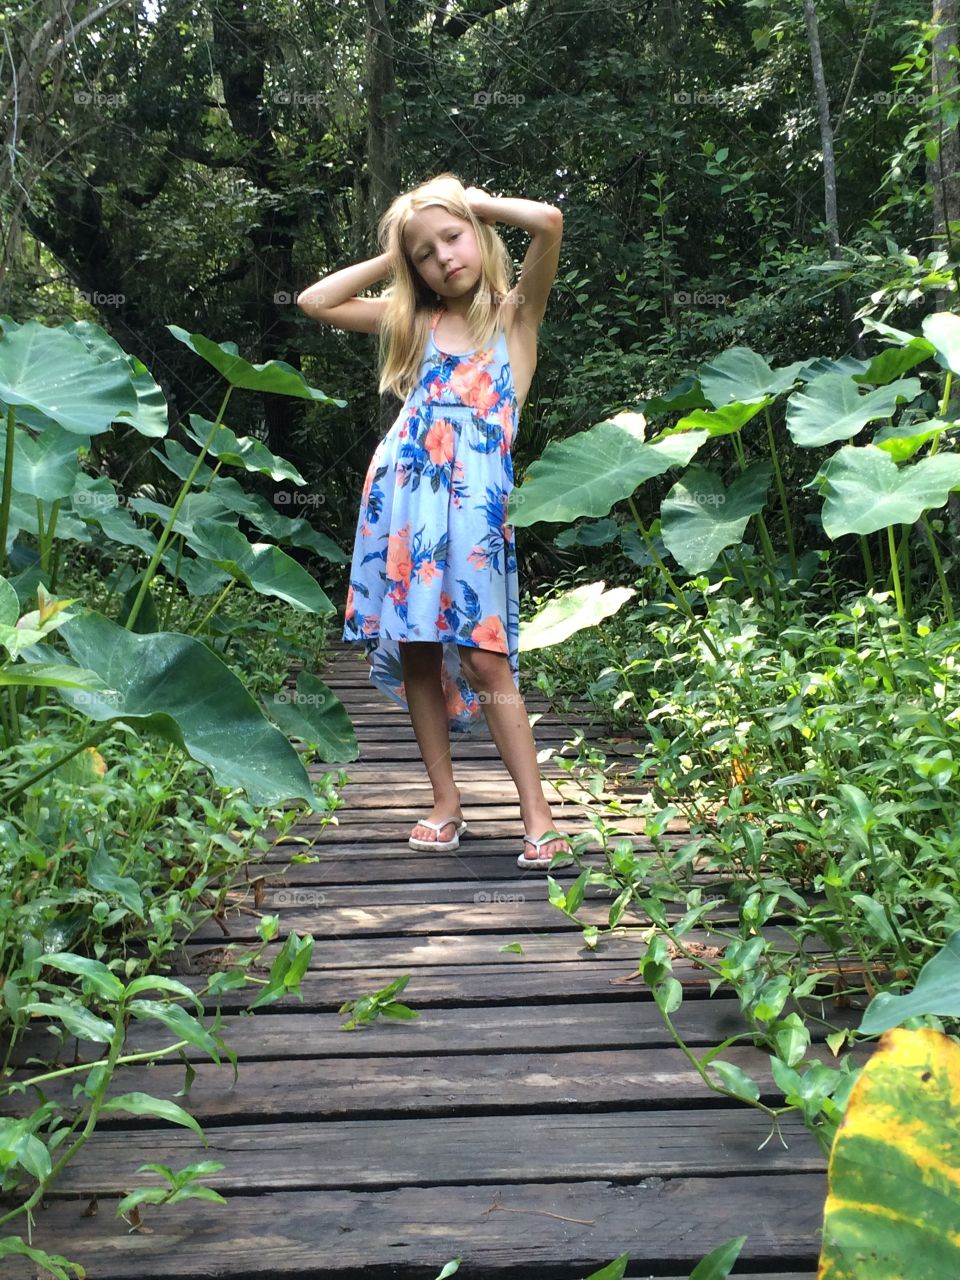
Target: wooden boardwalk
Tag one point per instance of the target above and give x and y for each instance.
(535, 1120)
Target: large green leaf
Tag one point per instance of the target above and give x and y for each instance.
(9, 604)
(584, 606)
(275, 375)
(151, 417)
(242, 451)
(294, 530)
(908, 438)
(47, 675)
(686, 394)
(739, 374)
(936, 991)
(832, 408)
(116, 522)
(176, 687)
(316, 716)
(181, 462)
(719, 422)
(199, 577)
(893, 1207)
(893, 362)
(942, 329)
(260, 565)
(54, 371)
(45, 467)
(699, 518)
(23, 515)
(587, 474)
(864, 489)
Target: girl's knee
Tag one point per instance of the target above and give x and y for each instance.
(482, 666)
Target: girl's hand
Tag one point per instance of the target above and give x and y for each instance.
(480, 205)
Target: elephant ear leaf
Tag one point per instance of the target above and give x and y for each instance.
(699, 518)
(894, 1198)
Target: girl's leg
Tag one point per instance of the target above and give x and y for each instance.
(420, 661)
(490, 675)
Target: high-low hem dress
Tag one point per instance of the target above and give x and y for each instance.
(434, 558)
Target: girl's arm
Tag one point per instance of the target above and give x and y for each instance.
(544, 222)
(332, 300)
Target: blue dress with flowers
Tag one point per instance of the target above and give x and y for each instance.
(433, 556)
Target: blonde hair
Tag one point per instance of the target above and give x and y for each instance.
(410, 302)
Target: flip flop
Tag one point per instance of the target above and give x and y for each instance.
(443, 845)
(543, 863)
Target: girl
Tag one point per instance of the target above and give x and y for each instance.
(433, 585)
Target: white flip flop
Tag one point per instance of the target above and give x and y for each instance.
(443, 845)
(543, 863)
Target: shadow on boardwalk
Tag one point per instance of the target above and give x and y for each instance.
(536, 1119)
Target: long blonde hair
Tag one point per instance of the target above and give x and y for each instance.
(410, 302)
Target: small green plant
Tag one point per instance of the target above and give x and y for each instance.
(368, 1008)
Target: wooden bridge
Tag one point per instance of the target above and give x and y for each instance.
(535, 1120)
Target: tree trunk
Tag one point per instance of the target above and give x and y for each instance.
(943, 172)
(382, 176)
(241, 52)
(830, 174)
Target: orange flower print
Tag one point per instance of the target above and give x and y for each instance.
(371, 624)
(428, 571)
(399, 565)
(350, 610)
(489, 634)
(478, 558)
(445, 600)
(367, 484)
(475, 387)
(438, 443)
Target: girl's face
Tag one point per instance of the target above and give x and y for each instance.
(443, 250)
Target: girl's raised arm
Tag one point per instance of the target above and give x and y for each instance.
(544, 223)
(332, 300)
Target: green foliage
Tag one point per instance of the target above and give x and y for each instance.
(368, 1008)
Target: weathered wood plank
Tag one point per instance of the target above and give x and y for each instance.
(405, 954)
(452, 1150)
(303, 912)
(468, 1084)
(286, 891)
(494, 1029)
(373, 863)
(561, 1229)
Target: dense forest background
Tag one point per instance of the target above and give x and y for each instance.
(199, 163)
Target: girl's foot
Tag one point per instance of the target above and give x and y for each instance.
(445, 809)
(537, 825)
(546, 851)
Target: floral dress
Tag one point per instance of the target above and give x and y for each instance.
(433, 556)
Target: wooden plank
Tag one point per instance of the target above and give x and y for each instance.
(553, 982)
(406, 954)
(480, 771)
(281, 892)
(499, 1230)
(492, 820)
(496, 1029)
(479, 746)
(373, 863)
(510, 912)
(467, 1084)
(454, 1150)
